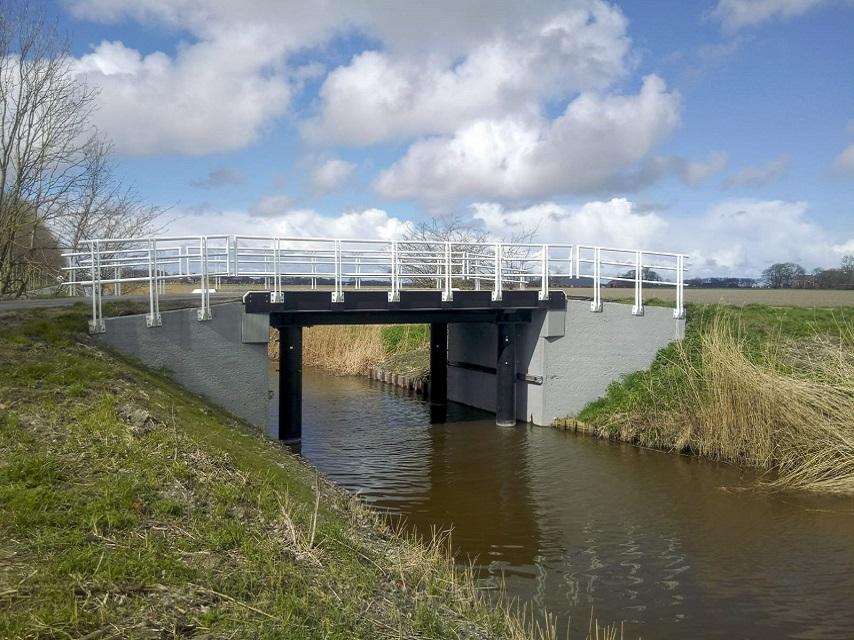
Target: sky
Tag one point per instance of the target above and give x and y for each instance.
(723, 129)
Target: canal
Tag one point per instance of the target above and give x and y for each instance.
(674, 546)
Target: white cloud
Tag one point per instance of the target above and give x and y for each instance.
(761, 175)
(844, 162)
(613, 223)
(330, 175)
(212, 96)
(280, 221)
(735, 237)
(736, 14)
(380, 96)
(597, 137)
(745, 236)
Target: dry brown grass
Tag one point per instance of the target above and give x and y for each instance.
(791, 411)
(347, 350)
(353, 349)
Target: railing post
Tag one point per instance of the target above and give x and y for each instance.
(277, 279)
(496, 292)
(544, 282)
(205, 312)
(313, 272)
(153, 318)
(637, 309)
(596, 305)
(338, 294)
(679, 311)
(394, 294)
(96, 324)
(447, 295)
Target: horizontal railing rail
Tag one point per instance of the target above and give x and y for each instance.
(343, 264)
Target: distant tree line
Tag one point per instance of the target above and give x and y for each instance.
(790, 275)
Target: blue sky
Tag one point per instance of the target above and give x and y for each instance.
(724, 129)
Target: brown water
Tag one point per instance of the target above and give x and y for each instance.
(674, 546)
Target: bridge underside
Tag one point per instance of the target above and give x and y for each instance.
(300, 309)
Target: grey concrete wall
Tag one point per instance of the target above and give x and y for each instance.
(595, 350)
(208, 358)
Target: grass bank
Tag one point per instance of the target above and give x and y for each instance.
(353, 349)
(129, 508)
(761, 386)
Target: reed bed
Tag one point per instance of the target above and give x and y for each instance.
(353, 349)
(758, 398)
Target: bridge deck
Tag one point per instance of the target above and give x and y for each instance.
(302, 308)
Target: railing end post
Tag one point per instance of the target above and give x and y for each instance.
(97, 326)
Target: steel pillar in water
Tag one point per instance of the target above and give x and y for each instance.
(438, 371)
(290, 383)
(505, 376)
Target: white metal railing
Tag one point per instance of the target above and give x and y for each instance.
(342, 264)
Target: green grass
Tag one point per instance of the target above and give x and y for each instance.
(129, 508)
(764, 386)
(760, 328)
(400, 338)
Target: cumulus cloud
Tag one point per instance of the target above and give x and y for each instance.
(379, 96)
(734, 237)
(220, 177)
(330, 175)
(761, 175)
(616, 222)
(159, 104)
(690, 172)
(281, 221)
(595, 138)
(737, 14)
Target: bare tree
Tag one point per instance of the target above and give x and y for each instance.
(56, 182)
(472, 253)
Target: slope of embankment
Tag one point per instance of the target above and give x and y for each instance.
(768, 387)
(129, 508)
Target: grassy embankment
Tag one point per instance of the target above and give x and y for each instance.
(129, 508)
(768, 387)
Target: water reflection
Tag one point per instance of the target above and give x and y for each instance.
(673, 545)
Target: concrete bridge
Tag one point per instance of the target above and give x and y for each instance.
(503, 335)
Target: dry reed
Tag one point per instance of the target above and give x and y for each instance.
(352, 349)
(790, 409)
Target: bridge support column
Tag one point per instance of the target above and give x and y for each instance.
(438, 371)
(505, 376)
(290, 383)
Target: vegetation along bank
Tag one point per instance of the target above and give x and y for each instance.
(129, 508)
(767, 387)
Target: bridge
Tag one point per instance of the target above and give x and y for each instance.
(505, 304)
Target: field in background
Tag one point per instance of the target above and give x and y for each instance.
(738, 297)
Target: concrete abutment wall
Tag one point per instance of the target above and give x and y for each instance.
(576, 354)
(209, 358)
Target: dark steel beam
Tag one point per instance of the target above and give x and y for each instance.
(290, 383)
(505, 376)
(400, 316)
(438, 372)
